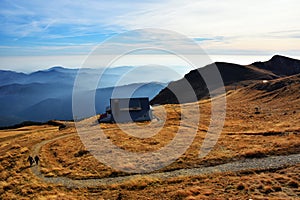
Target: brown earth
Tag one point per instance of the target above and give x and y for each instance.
(262, 120)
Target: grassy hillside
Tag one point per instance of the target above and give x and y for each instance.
(262, 120)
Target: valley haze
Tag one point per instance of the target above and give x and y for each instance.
(47, 94)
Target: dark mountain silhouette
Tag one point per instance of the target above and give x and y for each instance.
(233, 76)
(280, 65)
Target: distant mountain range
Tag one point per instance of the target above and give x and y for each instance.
(47, 94)
(233, 75)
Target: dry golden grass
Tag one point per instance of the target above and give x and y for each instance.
(17, 180)
(245, 135)
(275, 130)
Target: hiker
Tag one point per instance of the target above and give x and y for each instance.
(36, 158)
(30, 160)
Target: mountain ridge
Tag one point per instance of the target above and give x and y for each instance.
(47, 94)
(233, 75)
(280, 65)
(21, 94)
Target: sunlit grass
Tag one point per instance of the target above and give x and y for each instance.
(274, 131)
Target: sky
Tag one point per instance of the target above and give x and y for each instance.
(39, 34)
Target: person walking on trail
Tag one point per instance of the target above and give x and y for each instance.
(30, 160)
(37, 159)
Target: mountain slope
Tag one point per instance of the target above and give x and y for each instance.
(280, 65)
(233, 76)
(285, 90)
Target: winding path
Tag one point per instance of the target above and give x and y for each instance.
(267, 163)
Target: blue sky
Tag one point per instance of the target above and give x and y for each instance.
(46, 29)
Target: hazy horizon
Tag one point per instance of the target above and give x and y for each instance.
(28, 64)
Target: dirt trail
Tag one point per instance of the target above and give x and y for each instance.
(267, 163)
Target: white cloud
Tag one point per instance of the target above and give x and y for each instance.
(261, 26)
(32, 18)
(233, 26)
(212, 17)
(192, 17)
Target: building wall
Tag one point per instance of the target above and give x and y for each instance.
(128, 110)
